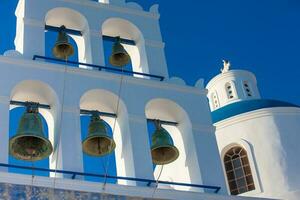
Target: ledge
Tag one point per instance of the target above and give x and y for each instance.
(242, 107)
(60, 68)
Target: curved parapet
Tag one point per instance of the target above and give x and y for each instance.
(200, 83)
(176, 80)
(154, 8)
(13, 53)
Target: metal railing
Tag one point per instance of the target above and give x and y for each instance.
(73, 174)
(126, 72)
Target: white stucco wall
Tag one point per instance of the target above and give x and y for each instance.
(94, 19)
(271, 139)
(70, 89)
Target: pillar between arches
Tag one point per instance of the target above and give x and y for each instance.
(68, 153)
(136, 150)
(4, 131)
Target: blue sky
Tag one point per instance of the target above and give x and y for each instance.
(262, 36)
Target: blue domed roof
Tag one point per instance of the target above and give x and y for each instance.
(246, 106)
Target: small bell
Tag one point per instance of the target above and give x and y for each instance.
(163, 150)
(62, 48)
(119, 57)
(98, 142)
(29, 143)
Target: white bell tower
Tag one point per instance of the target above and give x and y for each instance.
(133, 99)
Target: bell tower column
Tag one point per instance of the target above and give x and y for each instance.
(30, 33)
(67, 153)
(4, 130)
(96, 48)
(135, 150)
(156, 58)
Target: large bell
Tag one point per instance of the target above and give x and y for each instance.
(119, 57)
(98, 142)
(163, 150)
(62, 48)
(29, 143)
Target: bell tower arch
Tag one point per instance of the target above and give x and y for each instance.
(93, 22)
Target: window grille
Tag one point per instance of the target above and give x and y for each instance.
(238, 171)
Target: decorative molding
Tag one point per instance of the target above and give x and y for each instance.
(257, 114)
(103, 75)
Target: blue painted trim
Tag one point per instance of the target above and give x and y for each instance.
(79, 33)
(246, 106)
(67, 30)
(74, 174)
(161, 78)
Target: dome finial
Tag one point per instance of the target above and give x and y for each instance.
(226, 66)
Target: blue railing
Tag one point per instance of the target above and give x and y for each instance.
(215, 189)
(161, 78)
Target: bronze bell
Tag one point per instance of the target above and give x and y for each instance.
(62, 48)
(163, 150)
(119, 57)
(29, 143)
(98, 142)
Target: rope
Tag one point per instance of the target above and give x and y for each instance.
(156, 183)
(114, 126)
(32, 176)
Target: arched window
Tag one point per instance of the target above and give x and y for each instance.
(229, 90)
(238, 171)
(247, 89)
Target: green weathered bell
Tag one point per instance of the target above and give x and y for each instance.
(163, 150)
(98, 142)
(62, 49)
(29, 143)
(119, 56)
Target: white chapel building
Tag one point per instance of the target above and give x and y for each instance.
(219, 142)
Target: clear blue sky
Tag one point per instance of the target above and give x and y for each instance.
(262, 36)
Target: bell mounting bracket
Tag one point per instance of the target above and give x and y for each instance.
(79, 33)
(85, 112)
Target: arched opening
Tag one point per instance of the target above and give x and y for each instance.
(247, 89)
(238, 170)
(214, 100)
(230, 90)
(71, 19)
(114, 27)
(112, 164)
(179, 170)
(39, 92)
